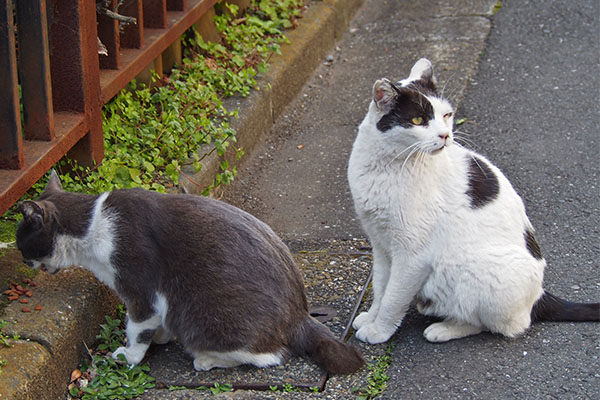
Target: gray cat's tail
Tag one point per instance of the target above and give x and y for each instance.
(552, 308)
(331, 354)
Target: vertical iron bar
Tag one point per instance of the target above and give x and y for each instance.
(133, 35)
(34, 69)
(155, 14)
(11, 150)
(66, 69)
(108, 32)
(75, 71)
(176, 5)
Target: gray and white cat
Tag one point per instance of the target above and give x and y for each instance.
(446, 226)
(187, 267)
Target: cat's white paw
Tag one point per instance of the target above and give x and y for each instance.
(373, 334)
(203, 364)
(363, 319)
(445, 331)
(132, 357)
(207, 362)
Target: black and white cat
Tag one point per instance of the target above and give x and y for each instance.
(446, 226)
(187, 267)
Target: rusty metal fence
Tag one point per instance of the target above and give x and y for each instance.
(54, 83)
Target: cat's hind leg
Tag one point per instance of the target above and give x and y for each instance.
(450, 329)
(162, 336)
(207, 360)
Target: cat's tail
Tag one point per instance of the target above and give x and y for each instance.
(552, 308)
(331, 354)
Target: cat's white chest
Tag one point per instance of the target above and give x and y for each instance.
(391, 195)
(92, 251)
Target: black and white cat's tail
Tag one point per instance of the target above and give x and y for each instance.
(552, 308)
(331, 354)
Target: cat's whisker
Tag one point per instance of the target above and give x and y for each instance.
(402, 152)
(483, 169)
(465, 142)
(464, 133)
(414, 150)
(420, 160)
(450, 78)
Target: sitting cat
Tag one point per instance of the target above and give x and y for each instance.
(187, 267)
(446, 226)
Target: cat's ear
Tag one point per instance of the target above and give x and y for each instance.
(54, 184)
(32, 211)
(422, 70)
(384, 94)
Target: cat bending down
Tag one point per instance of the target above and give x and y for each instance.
(446, 226)
(187, 267)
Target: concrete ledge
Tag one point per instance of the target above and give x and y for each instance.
(28, 373)
(38, 365)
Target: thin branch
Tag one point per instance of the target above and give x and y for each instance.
(102, 8)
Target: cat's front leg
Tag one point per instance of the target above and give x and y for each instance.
(405, 280)
(139, 336)
(381, 275)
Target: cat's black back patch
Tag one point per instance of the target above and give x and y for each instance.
(408, 105)
(483, 183)
(532, 245)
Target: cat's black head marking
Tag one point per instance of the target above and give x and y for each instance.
(408, 105)
(483, 183)
(43, 221)
(426, 87)
(36, 232)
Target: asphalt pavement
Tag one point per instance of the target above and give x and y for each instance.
(526, 78)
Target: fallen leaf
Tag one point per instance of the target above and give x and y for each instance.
(211, 63)
(26, 309)
(76, 374)
(13, 297)
(300, 146)
(23, 301)
(38, 307)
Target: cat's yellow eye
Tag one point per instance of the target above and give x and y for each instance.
(447, 115)
(417, 120)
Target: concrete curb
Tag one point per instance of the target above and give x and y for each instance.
(323, 24)
(51, 343)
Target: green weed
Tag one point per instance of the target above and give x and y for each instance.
(111, 379)
(377, 379)
(151, 133)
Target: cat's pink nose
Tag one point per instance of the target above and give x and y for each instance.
(444, 136)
